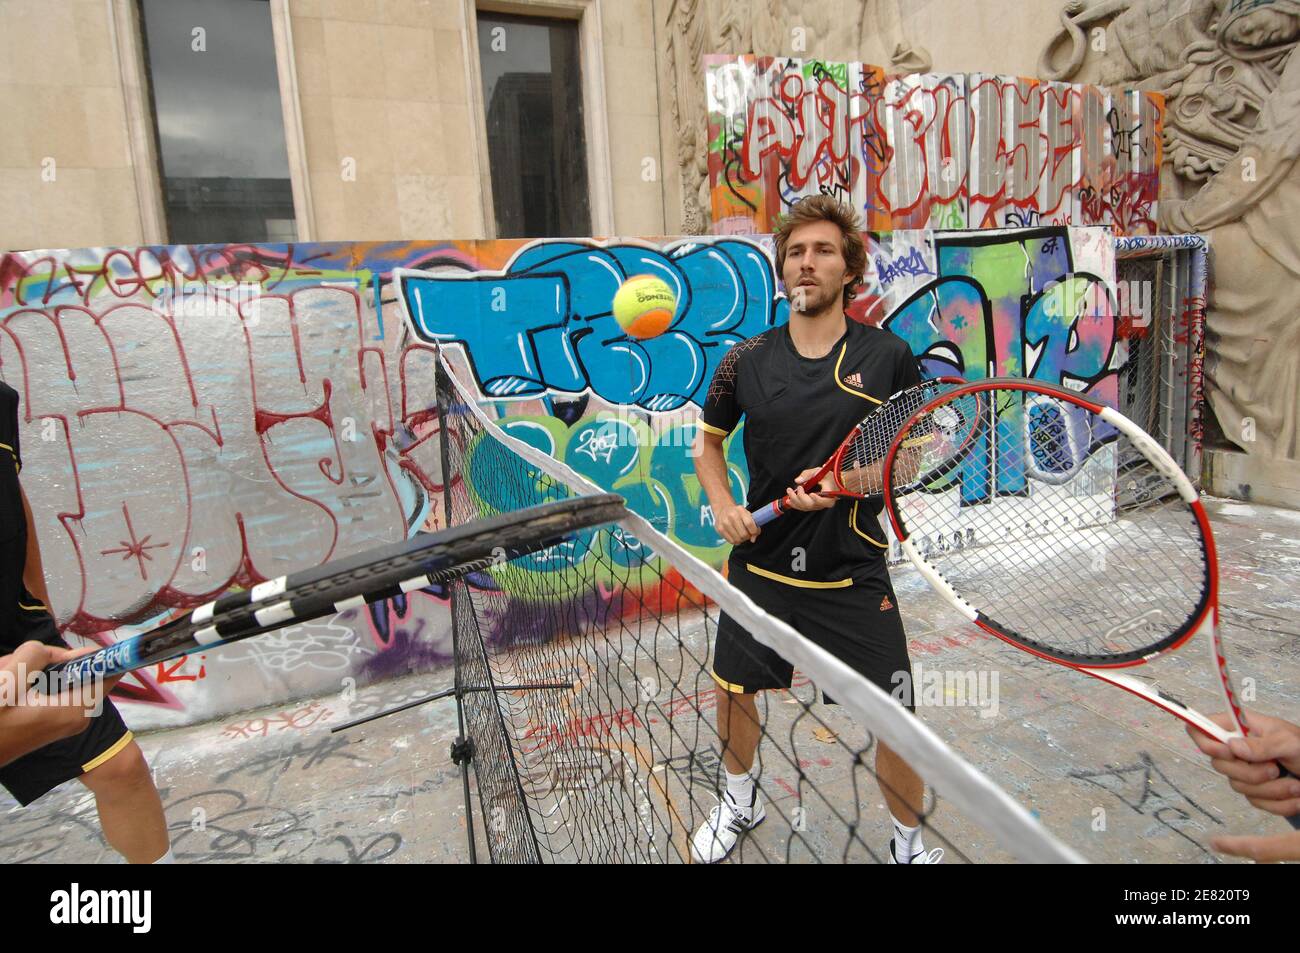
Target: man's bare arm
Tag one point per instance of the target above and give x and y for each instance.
(734, 523)
(28, 720)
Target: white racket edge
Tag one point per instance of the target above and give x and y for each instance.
(1162, 461)
(1166, 465)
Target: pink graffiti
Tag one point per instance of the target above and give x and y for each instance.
(299, 719)
(817, 136)
(182, 454)
(1018, 190)
(940, 150)
(928, 134)
(1126, 203)
(125, 273)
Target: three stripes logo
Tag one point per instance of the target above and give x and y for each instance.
(853, 380)
(885, 604)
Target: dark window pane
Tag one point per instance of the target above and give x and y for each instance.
(532, 92)
(216, 100)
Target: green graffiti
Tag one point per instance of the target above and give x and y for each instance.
(654, 472)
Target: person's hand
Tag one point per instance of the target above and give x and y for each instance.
(736, 525)
(32, 657)
(30, 719)
(1251, 765)
(797, 498)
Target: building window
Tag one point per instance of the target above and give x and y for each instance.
(216, 106)
(537, 149)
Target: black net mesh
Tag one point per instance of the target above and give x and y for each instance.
(584, 672)
(1063, 531)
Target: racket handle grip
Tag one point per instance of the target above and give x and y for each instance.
(117, 659)
(765, 514)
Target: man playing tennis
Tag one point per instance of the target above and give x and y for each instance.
(821, 568)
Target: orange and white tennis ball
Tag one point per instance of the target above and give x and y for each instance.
(644, 306)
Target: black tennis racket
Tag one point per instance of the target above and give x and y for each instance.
(380, 573)
(1067, 531)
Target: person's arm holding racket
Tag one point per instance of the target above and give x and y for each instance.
(863, 473)
(29, 720)
(797, 498)
(733, 522)
(718, 418)
(907, 376)
(856, 469)
(864, 477)
(868, 479)
(1251, 765)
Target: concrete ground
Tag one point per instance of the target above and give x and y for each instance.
(1109, 775)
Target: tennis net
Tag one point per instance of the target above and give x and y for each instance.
(583, 675)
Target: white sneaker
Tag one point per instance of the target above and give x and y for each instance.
(727, 822)
(932, 856)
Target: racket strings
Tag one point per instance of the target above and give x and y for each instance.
(1058, 529)
(933, 440)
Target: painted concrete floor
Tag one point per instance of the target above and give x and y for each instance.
(1112, 777)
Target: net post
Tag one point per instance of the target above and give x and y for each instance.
(461, 749)
(483, 735)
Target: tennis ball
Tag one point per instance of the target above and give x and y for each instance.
(644, 306)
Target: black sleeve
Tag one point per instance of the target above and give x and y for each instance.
(906, 372)
(722, 410)
(9, 422)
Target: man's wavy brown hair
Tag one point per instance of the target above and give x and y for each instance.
(826, 208)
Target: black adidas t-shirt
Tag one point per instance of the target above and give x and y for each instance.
(22, 616)
(13, 525)
(797, 411)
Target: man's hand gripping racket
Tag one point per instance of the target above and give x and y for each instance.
(855, 468)
(1065, 530)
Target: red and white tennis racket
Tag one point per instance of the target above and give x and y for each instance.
(855, 466)
(1065, 530)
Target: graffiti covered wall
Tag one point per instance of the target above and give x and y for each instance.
(199, 418)
(931, 150)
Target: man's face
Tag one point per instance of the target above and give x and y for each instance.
(814, 271)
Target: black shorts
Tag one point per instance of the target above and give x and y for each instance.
(859, 624)
(44, 769)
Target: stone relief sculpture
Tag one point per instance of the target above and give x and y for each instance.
(832, 30)
(1232, 140)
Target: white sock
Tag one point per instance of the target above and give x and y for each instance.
(907, 841)
(740, 787)
(167, 858)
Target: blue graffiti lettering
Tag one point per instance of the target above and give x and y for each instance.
(909, 265)
(545, 324)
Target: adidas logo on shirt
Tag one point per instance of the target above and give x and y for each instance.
(853, 380)
(885, 604)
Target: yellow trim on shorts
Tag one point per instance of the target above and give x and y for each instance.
(801, 583)
(710, 429)
(840, 384)
(111, 752)
(729, 686)
(853, 525)
(39, 607)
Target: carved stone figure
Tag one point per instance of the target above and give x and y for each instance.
(1232, 140)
